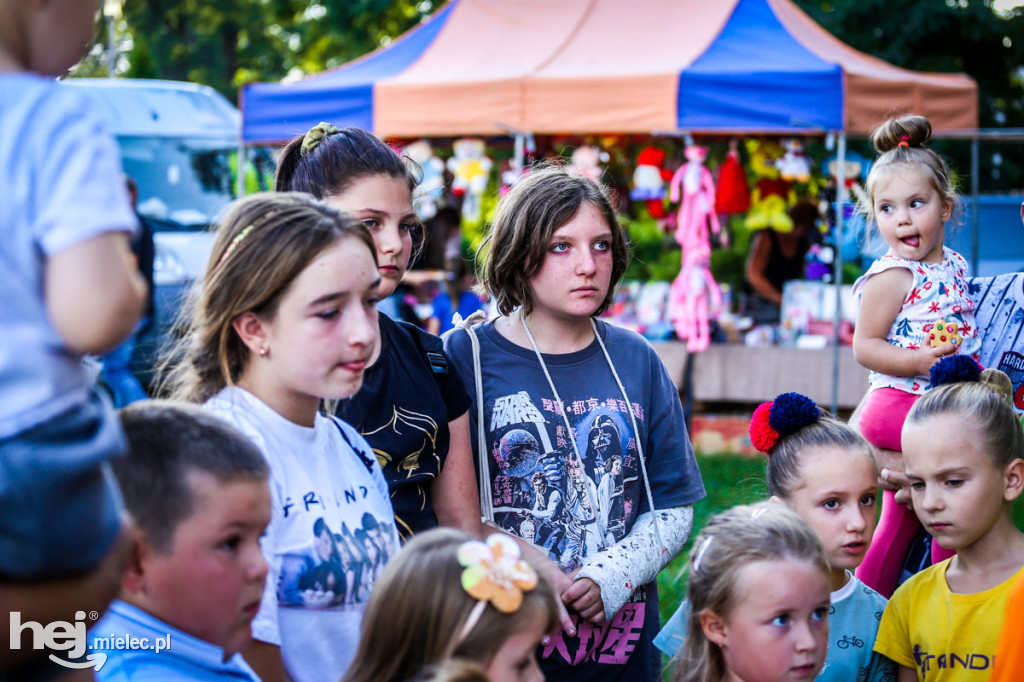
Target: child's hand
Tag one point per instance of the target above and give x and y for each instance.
(899, 482)
(928, 356)
(584, 597)
(560, 582)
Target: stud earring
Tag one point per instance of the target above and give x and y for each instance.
(264, 351)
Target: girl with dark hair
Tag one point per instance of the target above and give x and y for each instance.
(413, 407)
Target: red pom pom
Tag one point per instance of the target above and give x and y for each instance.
(762, 435)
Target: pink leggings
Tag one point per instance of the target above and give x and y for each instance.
(881, 423)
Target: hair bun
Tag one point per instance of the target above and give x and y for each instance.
(913, 130)
(788, 413)
(954, 369)
(998, 381)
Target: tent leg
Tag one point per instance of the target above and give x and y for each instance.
(240, 171)
(838, 266)
(974, 206)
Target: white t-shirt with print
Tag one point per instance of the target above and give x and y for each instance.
(331, 532)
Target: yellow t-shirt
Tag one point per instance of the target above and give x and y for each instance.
(945, 636)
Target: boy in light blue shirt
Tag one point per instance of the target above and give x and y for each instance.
(198, 493)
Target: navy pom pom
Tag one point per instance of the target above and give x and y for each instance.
(792, 411)
(954, 368)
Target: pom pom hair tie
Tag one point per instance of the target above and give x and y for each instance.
(954, 369)
(788, 413)
(495, 574)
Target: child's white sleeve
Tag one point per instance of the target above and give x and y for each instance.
(636, 559)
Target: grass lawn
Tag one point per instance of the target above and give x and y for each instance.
(729, 480)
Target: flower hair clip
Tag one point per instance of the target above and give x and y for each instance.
(496, 574)
(786, 414)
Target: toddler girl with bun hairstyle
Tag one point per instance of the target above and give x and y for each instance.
(758, 588)
(450, 607)
(914, 309)
(964, 451)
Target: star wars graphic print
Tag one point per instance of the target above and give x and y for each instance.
(570, 505)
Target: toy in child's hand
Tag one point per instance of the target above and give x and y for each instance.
(945, 333)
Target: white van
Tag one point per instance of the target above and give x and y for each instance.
(179, 142)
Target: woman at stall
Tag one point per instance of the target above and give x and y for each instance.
(775, 258)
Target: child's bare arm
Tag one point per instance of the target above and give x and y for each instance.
(265, 660)
(881, 301)
(906, 674)
(456, 500)
(94, 293)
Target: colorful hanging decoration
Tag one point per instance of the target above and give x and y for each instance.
(733, 194)
(471, 168)
(429, 193)
(772, 195)
(649, 180)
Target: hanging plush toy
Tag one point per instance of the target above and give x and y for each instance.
(794, 166)
(649, 180)
(733, 195)
(694, 188)
(431, 188)
(772, 195)
(471, 168)
(586, 160)
(694, 298)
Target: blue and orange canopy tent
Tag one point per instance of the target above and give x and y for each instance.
(484, 67)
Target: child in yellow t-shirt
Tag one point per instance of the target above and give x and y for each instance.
(964, 452)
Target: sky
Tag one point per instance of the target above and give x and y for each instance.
(1004, 5)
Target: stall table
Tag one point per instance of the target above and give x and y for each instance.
(738, 374)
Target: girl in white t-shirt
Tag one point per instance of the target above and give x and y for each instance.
(286, 316)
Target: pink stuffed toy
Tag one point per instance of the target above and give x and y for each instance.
(694, 297)
(694, 182)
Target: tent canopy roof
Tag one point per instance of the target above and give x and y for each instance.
(588, 66)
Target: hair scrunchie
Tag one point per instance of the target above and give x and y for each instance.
(312, 138)
(773, 420)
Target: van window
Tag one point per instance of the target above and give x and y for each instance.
(183, 181)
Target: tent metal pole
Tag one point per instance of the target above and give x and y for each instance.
(838, 265)
(240, 171)
(974, 206)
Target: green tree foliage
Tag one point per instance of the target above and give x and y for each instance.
(953, 36)
(229, 43)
